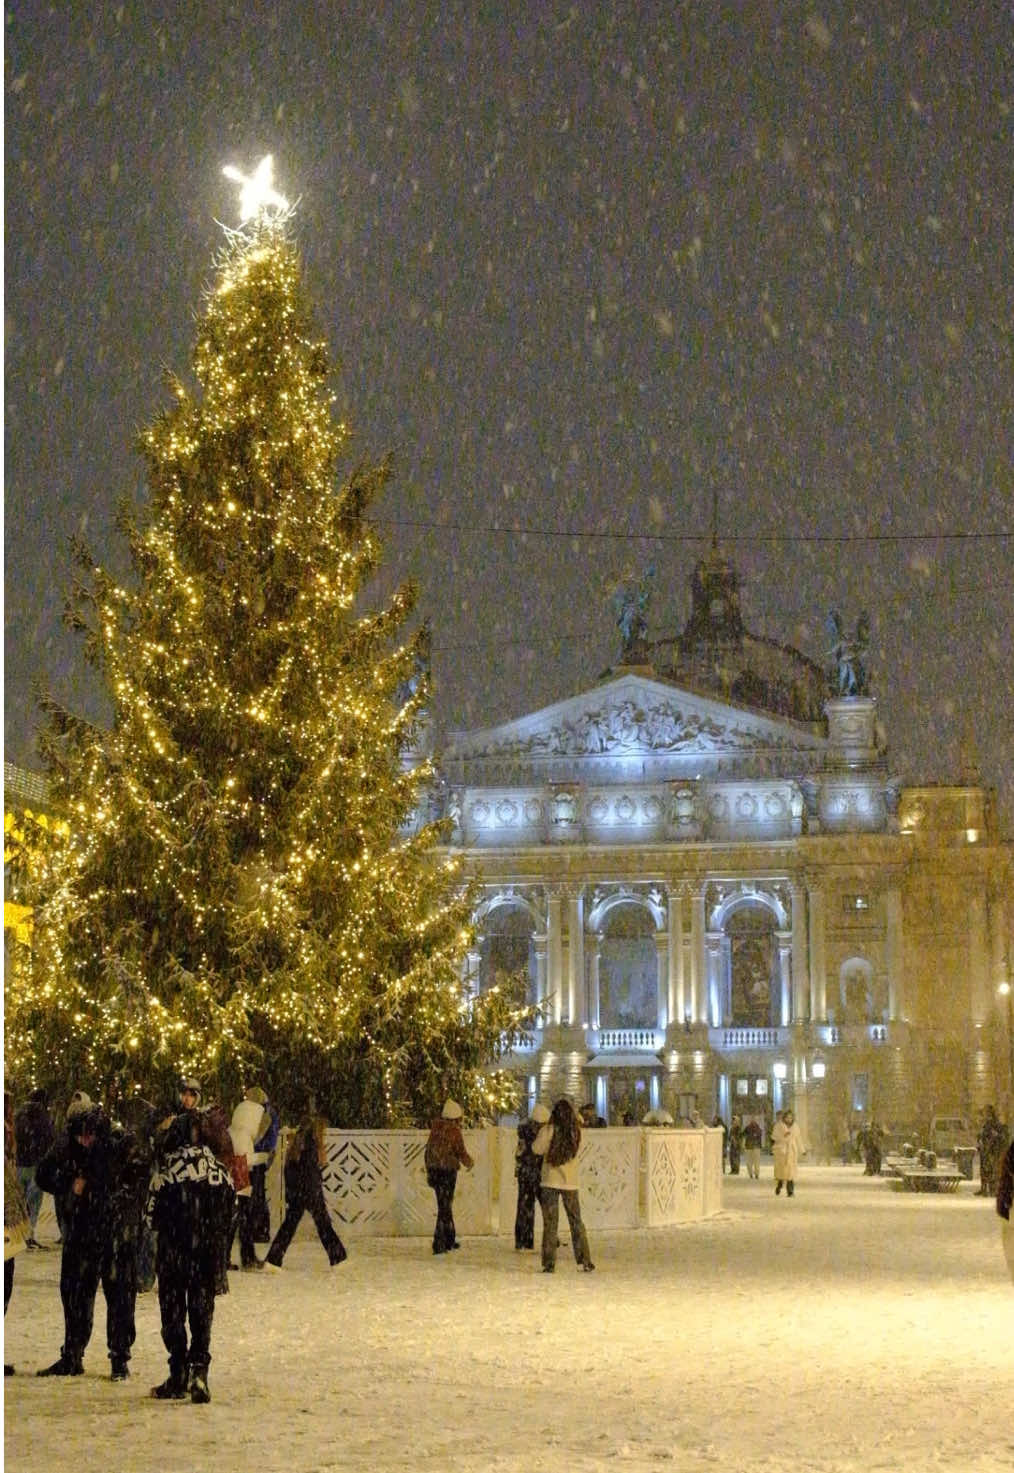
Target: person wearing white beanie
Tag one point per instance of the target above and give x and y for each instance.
(445, 1154)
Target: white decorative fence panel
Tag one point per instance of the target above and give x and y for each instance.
(375, 1181)
(683, 1175)
(375, 1185)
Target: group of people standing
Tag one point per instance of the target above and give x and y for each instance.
(175, 1189)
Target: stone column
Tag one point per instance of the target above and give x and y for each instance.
(818, 959)
(662, 986)
(676, 996)
(539, 943)
(714, 1004)
(895, 956)
(783, 1010)
(473, 975)
(996, 913)
(575, 958)
(554, 957)
(595, 997)
(978, 959)
(698, 961)
(800, 954)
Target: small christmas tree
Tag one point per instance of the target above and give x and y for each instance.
(246, 887)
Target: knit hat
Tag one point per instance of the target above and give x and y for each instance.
(256, 1094)
(540, 1114)
(452, 1110)
(80, 1104)
(193, 1085)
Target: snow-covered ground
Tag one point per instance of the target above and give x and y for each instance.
(852, 1328)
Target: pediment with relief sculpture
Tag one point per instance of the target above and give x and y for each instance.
(633, 716)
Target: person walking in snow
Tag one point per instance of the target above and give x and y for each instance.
(753, 1138)
(98, 1174)
(528, 1171)
(786, 1146)
(304, 1191)
(190, 1207)
(244, 1127)
(735, 1145)
(445, 1154)
(558, 1143)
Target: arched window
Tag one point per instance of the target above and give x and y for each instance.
(628, 969)
(507, 948)
(753, 961)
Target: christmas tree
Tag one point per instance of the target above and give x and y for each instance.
(246, 889)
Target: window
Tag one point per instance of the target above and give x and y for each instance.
(855, 904)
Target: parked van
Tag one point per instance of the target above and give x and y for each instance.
(948, 1132)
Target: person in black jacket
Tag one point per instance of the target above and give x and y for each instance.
(34, 1134)
(304, 1192)
(528, 1170)
(98, 1174)
(190, 1207)
(1004, 1203)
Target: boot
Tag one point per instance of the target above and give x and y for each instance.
(790, 1188)
(65, 1366)
(778, 1188)
(119, 1371)
(172, 1389)
(199, 1393)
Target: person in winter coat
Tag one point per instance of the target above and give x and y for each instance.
(1004, 1203)
(265, 1145)
(735, 1145)
(305, 1160)
(190, 1207)
(786, 1146)
(17, 1225)
(445, 1154)
(992, 1142)
(99, 1175)
(753, 1138)
(34, 1135)
(243, 1129)
(558, 1143)
(528, 1171)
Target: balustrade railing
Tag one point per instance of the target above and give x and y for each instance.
(628, 1038)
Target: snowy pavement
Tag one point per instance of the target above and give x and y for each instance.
(852, 1328)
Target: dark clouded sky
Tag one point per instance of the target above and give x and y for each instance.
(584, 267)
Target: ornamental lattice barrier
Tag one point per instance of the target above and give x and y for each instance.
(631, 1177)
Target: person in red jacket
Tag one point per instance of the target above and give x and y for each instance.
(445, 1154)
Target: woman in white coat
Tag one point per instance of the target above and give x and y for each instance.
(786, 1145)
(557, 1143)
(244, 1128)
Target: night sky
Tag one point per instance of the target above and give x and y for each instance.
(584, 268)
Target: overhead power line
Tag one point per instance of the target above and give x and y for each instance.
(497, 529)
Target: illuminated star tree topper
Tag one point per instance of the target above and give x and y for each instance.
(257, 191)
